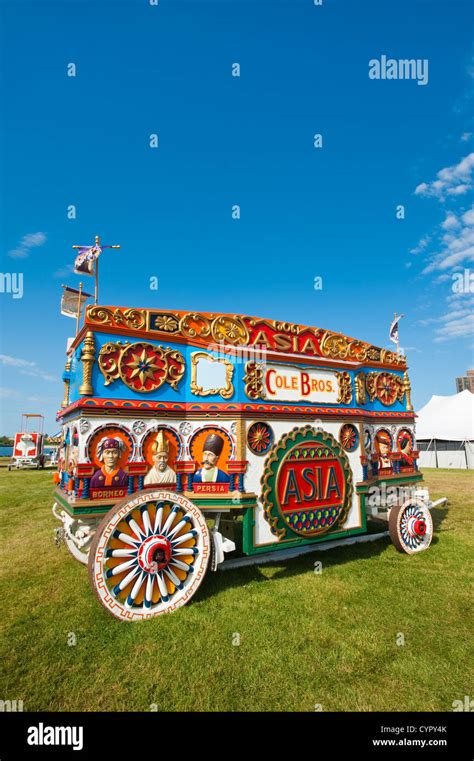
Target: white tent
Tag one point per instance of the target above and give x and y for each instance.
(445, 432)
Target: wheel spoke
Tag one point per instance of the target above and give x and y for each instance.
(126, 581)
(122, 567)
(135, 528)
(182, 566)
(183, 522)
(177, 582)
(121, 553)
(158, 519)
(185, 551)
(184, 538)
(146, 521)
(149, 590)
(136, 588)
(169, 520)
(125, 538)
(162, 586)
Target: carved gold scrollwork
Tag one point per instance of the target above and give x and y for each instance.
(116, 358)
(253, 380)
(335, 346)
(358, 350)
(130, 318)
(108, 360)
(392, 358)
(361, 395)
(194, 325)
(165, 322)
(174, 369)
(230, 330)
(374, 353)
(225, 391)
(370, 385)
(345, 388)
(386, 387)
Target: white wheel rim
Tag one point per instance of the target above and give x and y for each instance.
(411, 516)
(152, 556)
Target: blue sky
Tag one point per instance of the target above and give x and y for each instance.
(248, 140)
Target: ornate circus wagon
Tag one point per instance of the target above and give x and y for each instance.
(188, 437)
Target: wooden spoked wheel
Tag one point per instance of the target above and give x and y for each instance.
(410, 526)
(149, 555)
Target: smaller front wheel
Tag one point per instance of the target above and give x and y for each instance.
(410, 526)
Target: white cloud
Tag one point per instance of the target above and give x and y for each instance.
(29, 241)
(26, 367)
(456, 245)
(64, 271)
(421, 245)
(450, 221)
(468, 217)
(8, 393)
(457, 322)
(452, 180)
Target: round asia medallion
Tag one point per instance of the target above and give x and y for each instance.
(260, 438)
(307, 484)
(349, 437)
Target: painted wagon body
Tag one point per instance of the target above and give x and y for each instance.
(190, 436)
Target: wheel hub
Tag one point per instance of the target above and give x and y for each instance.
(416, 526)
(154, 554)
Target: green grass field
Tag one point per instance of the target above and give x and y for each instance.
(306, 639)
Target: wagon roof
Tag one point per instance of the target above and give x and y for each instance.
(237, 330)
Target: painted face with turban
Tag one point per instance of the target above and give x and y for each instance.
(109, 451)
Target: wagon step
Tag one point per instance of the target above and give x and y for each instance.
(276, 557)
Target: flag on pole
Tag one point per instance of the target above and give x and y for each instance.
(393, 335)
(87, 262)
(84, 261)
(72, 301)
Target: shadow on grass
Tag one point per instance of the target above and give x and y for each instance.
(240, 577)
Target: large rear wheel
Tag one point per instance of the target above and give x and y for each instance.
(149, 555)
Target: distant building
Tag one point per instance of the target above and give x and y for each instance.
(466, 381)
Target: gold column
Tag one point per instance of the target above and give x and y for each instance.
(361, 396)
(87, 359)
(407, 387)
(240, 435)
(67, 381)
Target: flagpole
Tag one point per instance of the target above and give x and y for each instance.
(79, 299)
(96, 292)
